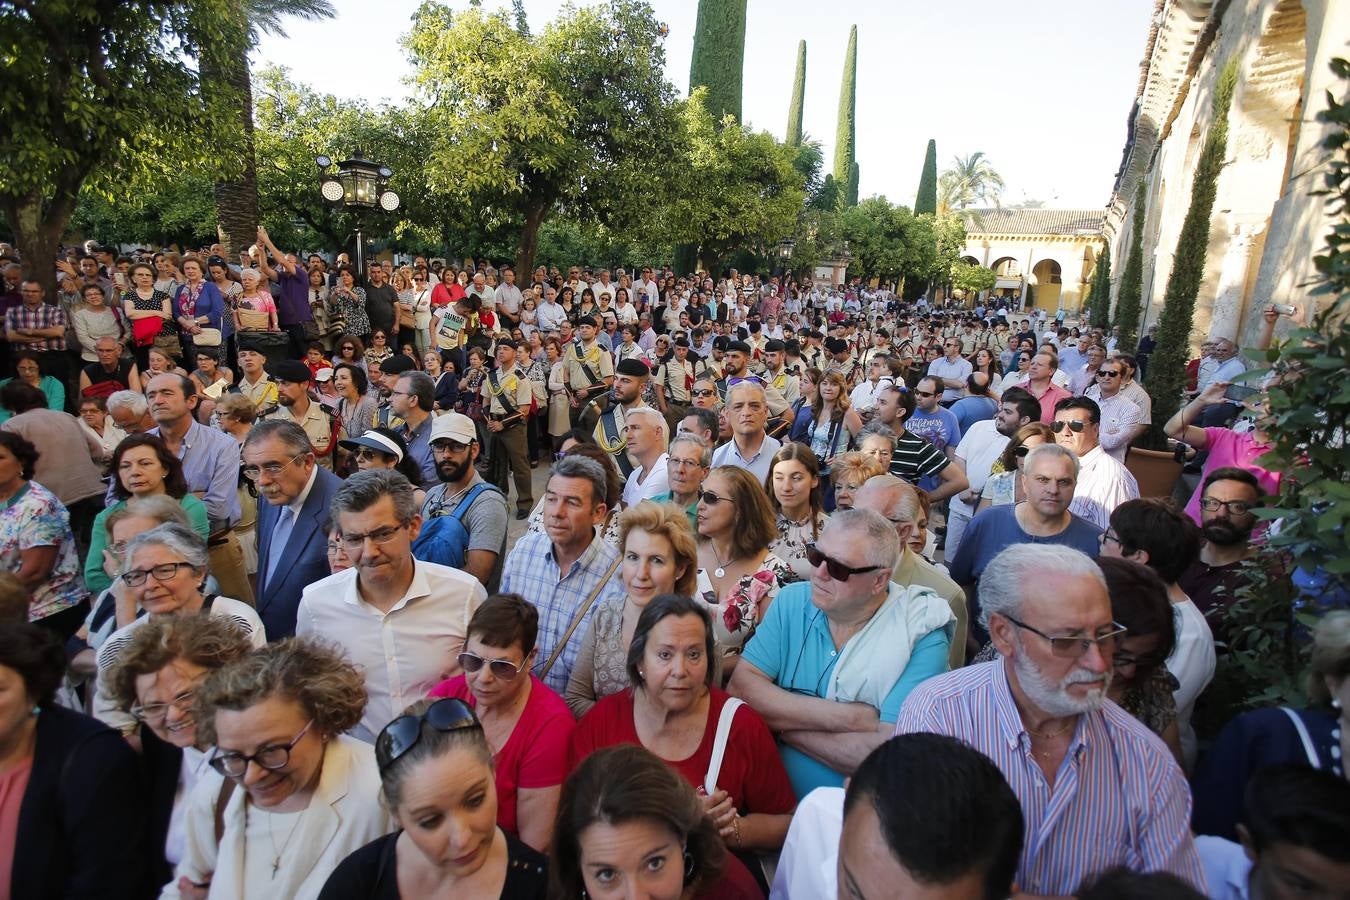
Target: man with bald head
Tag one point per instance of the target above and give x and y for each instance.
(897, 501)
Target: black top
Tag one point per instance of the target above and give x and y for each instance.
(371, 873)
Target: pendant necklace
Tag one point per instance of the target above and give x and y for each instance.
(720, 571)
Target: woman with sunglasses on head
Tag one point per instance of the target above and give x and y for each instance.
(154, 681)
(383, 448)
(1004, 486)
(436, 777)
(674, 709)
(304, 793)
(527, 726)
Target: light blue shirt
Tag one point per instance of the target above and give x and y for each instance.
(729, 454)
(211, 466)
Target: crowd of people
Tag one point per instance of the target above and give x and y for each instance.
(826, 594)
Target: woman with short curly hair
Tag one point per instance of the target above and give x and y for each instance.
(306, 794)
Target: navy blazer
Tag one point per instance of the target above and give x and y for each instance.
(81, 821)
(304, 560)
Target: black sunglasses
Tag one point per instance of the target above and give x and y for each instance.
(837, 570)
(710, 498)
(1021, 451)
(402, 734)
(1076, 427)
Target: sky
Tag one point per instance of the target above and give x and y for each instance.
(1042, 87)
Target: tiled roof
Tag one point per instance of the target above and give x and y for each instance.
(1033, 221)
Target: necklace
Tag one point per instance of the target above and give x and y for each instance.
(720, 571)
(276, 853)
(1050, 734)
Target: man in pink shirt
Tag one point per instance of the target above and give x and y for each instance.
(1226, 448)
(1040, 382)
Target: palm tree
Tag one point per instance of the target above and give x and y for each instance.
(226, 72)
(971, 180)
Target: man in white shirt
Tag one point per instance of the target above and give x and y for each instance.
(648, 437)
(550, 315)
(647, 286)
(508, 297)
(1103, 482)
(402, 621)
(864, 396)
(603, 287)
(1122, 420)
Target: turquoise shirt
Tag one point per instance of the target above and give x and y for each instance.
(691, 511)
(52, 389)
(793, 647)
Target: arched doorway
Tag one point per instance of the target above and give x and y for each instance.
(1006, 267)
(1046, 276)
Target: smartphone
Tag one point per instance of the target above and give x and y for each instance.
(1239, 392)
(120, 280)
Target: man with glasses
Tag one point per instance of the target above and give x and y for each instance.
(1097, 788)
(1121, 418)
(402, 621)
(412, 400)
(1086, 374)
(464, 517)
(291, 529)
(688, 460)
(1103, 481)
(951, 370)
(932, 422)
(1229, 498)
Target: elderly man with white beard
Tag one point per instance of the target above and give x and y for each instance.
(1098, 789)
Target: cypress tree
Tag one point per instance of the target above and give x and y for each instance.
(853, 177)
(926, 201)
(719, 55)
(1131, 295)
(844, 147)
(1099, 294)
(794, 127)
(1167, 365)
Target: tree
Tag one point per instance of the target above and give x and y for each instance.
(845, 136)
(1130, 297)
(972, 279)
(794, 126)
(718, 62)
(91, 92)
(555, 122)
(971, 180)
(1099, 294)
(1167, 365)
(926, 201)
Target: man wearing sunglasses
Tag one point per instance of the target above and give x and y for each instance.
(1097, 788)
(1103, 481)
(951, 370)
(834, 659)
(1121, 418)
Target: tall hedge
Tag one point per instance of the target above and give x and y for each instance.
(1131, 294)
(1099, 294)
(719, 55)
(926, 200)
(845, 136)
(794, 126)
(1167, 365)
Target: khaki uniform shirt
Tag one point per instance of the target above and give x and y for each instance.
(514, 386)
(595, 358)
(318, 428)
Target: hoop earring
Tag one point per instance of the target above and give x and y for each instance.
(688, 865)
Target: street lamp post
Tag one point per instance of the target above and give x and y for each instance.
(785, 248)
(359, 186)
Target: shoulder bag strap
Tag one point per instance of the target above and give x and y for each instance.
(578, 616)
(500, 392)
(720, 743)
(222, 801)
(1303, 736)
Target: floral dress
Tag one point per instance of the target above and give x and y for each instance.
(735, 619)
(35, 518)
(351, 308)
(793, 537)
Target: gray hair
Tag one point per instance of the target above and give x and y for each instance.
(578, 466)
(876, 429)
(704, 448)
(363, 490)
(897, 498)
(133, 402)
(1016, 568)
(160, 507)
(1051, 449)
(181, 539)
(652, 413)
(250, 273)
(289, 433)
(871, 529)
(747, 384)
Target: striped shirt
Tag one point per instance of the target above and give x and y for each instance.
(532, 572)
(914, 458)
(1119, 797)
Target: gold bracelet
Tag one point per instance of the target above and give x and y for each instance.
(736, 830)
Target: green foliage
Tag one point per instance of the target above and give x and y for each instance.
(1130, 296)
(718, 62)
(970, 181)
(1167, 365)
(891, 243)
(828, 195)
(1099, 294)
(972, 278)
(794, 126)
(926, 200)
(845, 140)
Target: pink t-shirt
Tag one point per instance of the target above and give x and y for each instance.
(535, 755)
(1228, 448)
(13, 785)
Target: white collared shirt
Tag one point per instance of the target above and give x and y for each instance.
(1103, 484)
(404, 652)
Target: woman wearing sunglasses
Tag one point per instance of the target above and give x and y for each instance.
(164, 573)
(526, 725)
(1004, 486)
(436, 776)
(299, 795)
(155, 681)
(383, 448)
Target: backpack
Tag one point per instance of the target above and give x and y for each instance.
(443, 538)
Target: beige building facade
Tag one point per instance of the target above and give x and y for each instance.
(1266, 225)
(1049, 254)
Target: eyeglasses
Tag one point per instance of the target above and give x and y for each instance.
(402, 734)
(448, 446)
(1076, 427)
(500, 668)
(1232, 507)
(706, 392)
(155, 712)
(162, 572)
(919, 393)
(837, 570)
(684, 463)
(1107, 536)
(710, 498)
(1103, 373)
(272, 470)
(1074, 646)
(364, 453)
(378, 536)
(271, 758)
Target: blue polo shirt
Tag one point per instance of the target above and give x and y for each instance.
(793, 647)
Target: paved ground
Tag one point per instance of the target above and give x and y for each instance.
(515, 528)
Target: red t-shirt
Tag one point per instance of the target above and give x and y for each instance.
(752, 771)
(535, 755)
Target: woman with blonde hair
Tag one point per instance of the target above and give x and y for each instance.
(850, 472)
(659, 555)
(793, 488)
